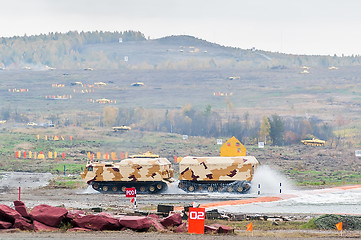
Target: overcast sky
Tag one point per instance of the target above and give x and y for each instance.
(317, 27)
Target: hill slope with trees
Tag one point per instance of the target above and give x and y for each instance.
(131, 50)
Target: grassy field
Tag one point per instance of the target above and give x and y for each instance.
(306, 166)
(262, 91)
(332, 96)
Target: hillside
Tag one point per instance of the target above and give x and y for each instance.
(130, 50)
(191, 87)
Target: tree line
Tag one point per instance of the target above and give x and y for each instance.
(274, 129)
(59, 50)
(68, 51)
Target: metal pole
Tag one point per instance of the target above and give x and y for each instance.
(280, 187)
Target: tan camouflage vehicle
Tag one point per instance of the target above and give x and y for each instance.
(217, 174)
(314, 142)
(146, 174)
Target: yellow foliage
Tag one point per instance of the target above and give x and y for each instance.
(110, 115)
(265, 129)
(187, 120)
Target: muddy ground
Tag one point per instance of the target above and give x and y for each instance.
(87, 199)
(34, 192)
(292, 162)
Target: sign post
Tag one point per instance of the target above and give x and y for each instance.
(196, 220)
(358, 153)
(132, 193)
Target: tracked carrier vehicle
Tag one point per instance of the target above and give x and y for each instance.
(217, 174)
(314, 142)
(147, 174)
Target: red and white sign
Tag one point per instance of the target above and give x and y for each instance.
(130, 192)
(196, 220)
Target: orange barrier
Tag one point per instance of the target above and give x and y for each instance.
(107, 156)
(348, 187)
(34, 155)
(243, 201)
(54, 138)
(113, 156)
(336, 188)
(240, 202)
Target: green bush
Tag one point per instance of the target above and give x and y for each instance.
(310, 224)
(329, 221)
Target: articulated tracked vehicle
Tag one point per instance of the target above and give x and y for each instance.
(231, 172)
(217, 174)
(147, 174)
